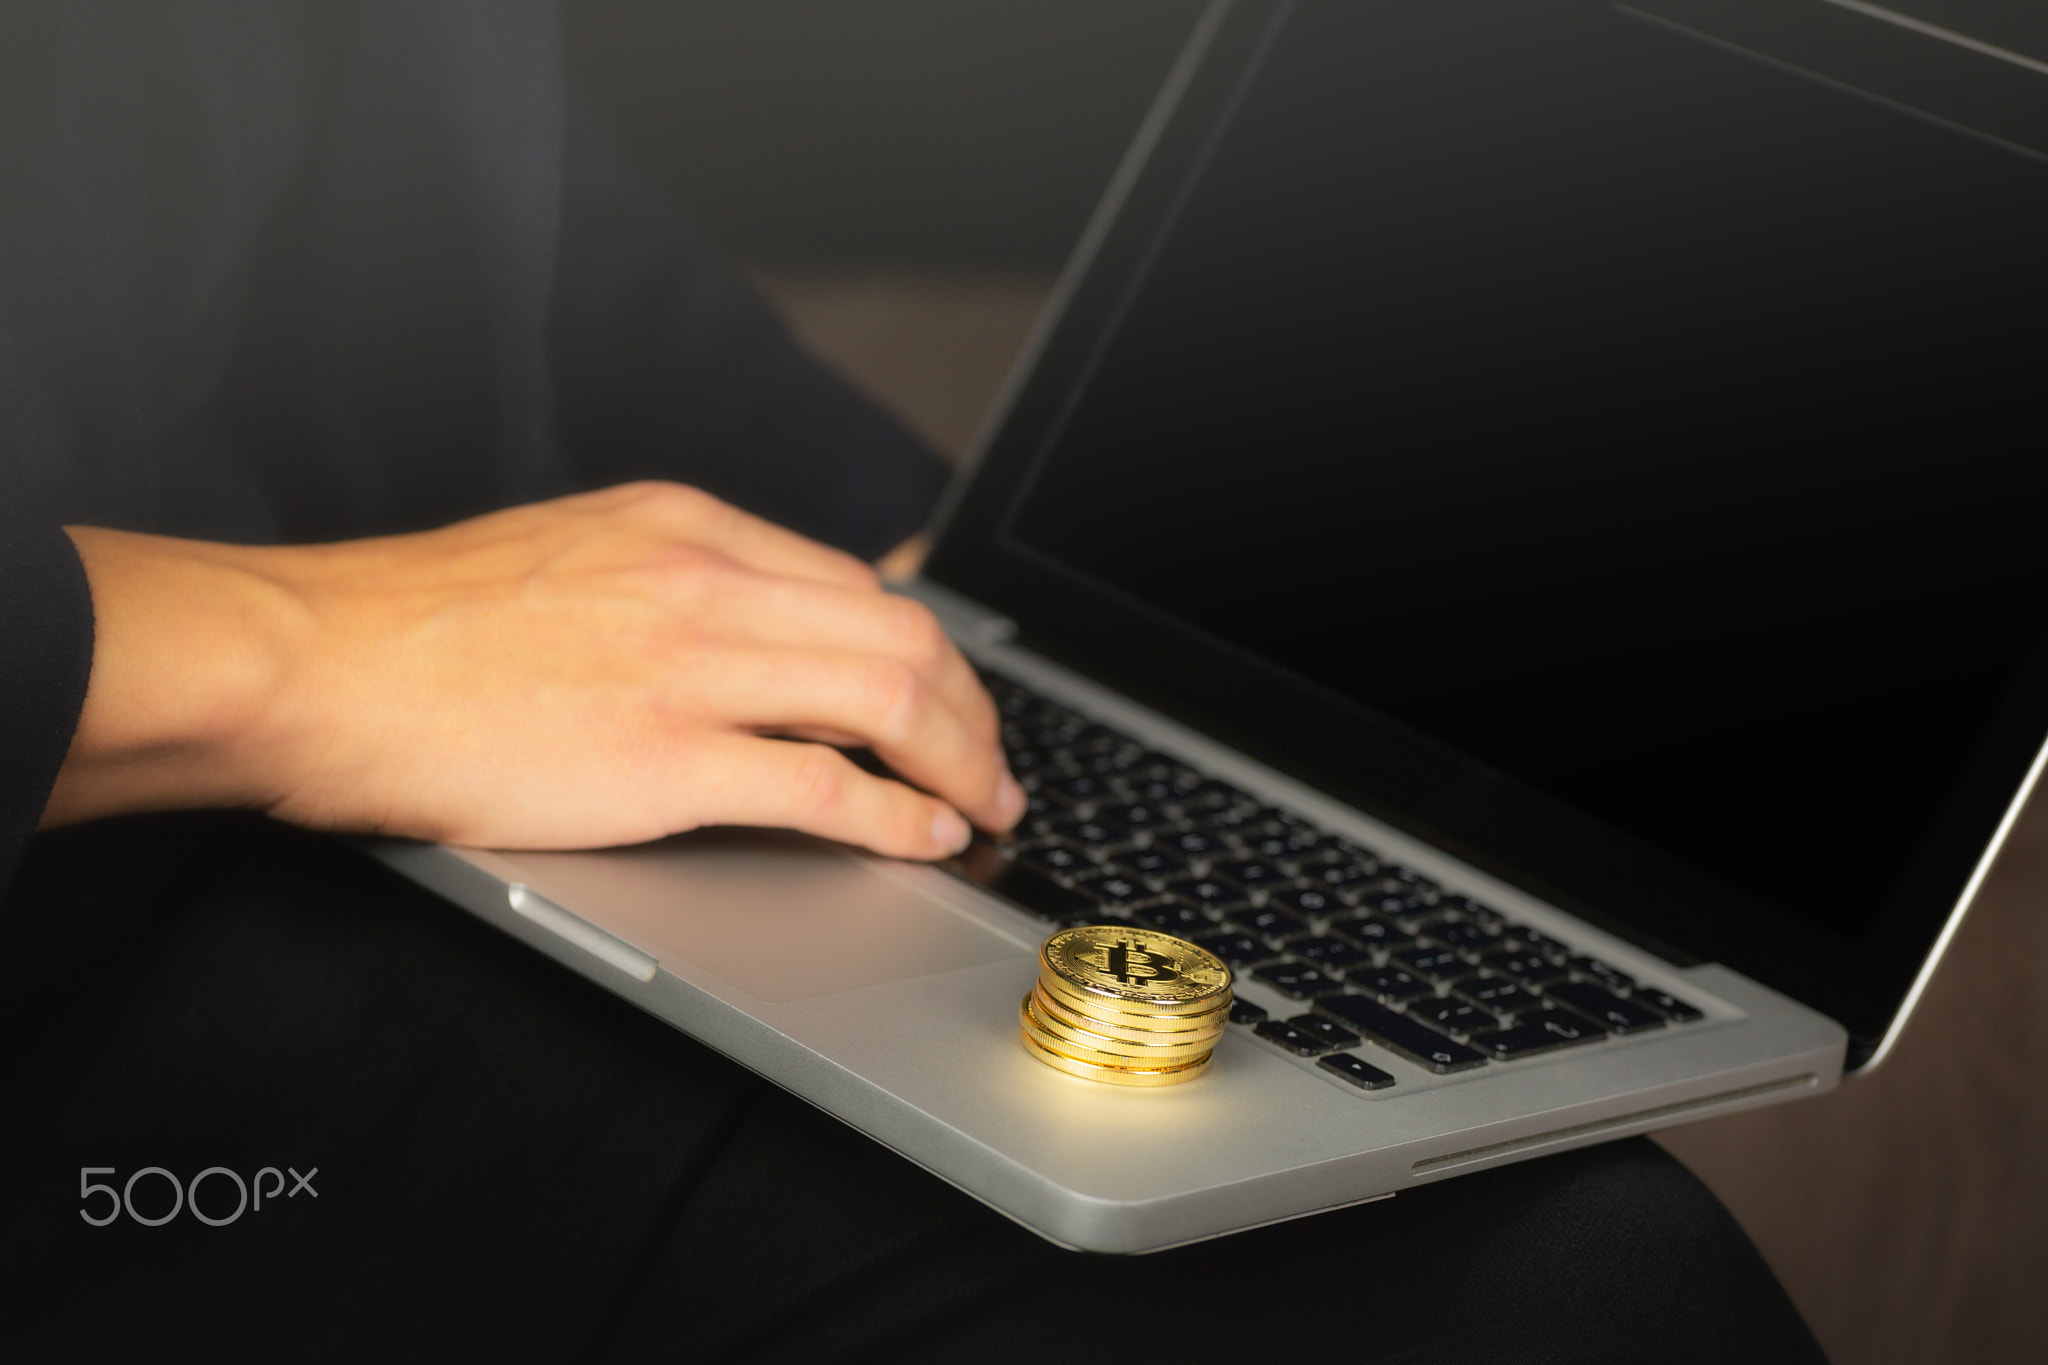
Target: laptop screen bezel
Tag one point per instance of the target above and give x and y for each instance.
(1364, 760)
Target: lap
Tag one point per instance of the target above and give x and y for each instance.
(512, 1161)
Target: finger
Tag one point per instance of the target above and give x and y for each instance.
(698, 518)
(785, 612)
(901, 564)
(744, 780)
(884, 702)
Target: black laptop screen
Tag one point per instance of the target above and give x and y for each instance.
(1641, 444)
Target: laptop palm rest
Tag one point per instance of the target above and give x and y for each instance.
(778, 916)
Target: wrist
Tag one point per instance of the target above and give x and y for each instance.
(192, 644)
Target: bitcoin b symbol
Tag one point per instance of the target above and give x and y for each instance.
(1132, 966)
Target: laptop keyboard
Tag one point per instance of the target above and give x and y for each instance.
(1380, 959)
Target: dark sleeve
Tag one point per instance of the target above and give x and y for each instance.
(669, 366)
(45, 662)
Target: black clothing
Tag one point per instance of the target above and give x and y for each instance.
(290, 271)
(299, 271)
(46, 624)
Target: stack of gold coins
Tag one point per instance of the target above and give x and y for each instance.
(1123, 1005)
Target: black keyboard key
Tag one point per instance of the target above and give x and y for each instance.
(1613, 978)
(1239, 950)
(1118, 890)
(1331, 952)
(1025, 762)
(1336, 1035)
(1041, 895)
(1464, 935)
(1192, 844)
(1178, 777)
(1337, 876)
(1250, 873)
(1060, 862)
(1212, 894)
(1209, 794)
(1100, 739)
(1542, 944)
(1391, 881)
(1605, 1007)
(1389, 985)
(1567, 1024)
(1223, 820)
(1158, 866)
(1151, 790)
(1396, 905)
(1078, 790)
(1054, 732)
(1134, 815)
(1110, 765)
(1100, 831)
(1174, 916)
(1543, 1031)
(1287, 821)
(1419, 1044)
(1289, 1037)
(1666, 1004)
(1356, 1070)
(1513, 1044)
(1288, 846)
(1415, 882)
(1271, 922)
(1303, 900)
(1353, 851)
(1501, 994)
(1245, 1012)
(1531, 969)
(1313, 857)
(1452, 1015)
(1438, 964)
(1485, 917)
(1373, 932)
(1296, 979)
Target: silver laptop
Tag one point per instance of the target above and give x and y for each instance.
(1519, 533)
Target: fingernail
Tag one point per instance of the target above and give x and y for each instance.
(1009, 800)
(950, 831)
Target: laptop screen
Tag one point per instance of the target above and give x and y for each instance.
(1627, 448)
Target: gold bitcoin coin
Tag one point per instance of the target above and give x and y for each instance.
(1077, 1052)
(1082, 1042)
(1110, 1060)
(1049, 1008)
(1115, 1075)
(1207, 1014)
(1139, 968)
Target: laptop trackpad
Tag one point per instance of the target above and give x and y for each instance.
(779, 916)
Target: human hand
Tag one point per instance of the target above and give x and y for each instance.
(600, 669)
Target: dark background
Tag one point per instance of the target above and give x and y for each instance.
(963, 134)
(908, 132)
